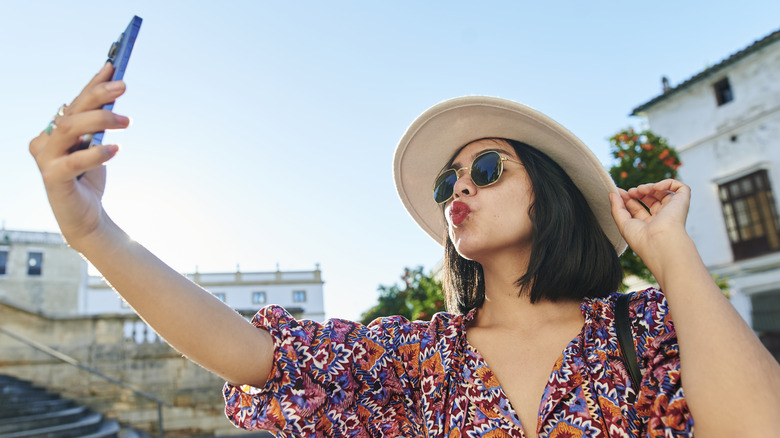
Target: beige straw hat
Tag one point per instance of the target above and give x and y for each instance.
(435, 136)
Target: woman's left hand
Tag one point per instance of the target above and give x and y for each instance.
(649, 233)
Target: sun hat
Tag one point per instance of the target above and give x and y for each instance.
(434, 137)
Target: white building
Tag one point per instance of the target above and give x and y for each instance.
(39, 272)
(725, 124)
(300, 292)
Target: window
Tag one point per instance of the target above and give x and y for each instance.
(220, 296)
(258, 297)
(299, 296)
(723, 93)
(751, 216)
(765, 312)
(34, 263)
(3, 261)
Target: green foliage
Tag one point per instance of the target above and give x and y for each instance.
(419, 297)
(640, 158)
(723, 284)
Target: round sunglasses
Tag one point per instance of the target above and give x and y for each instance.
(484, 171)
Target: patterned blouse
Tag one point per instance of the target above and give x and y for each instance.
(399, 378)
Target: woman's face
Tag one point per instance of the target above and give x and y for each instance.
(491, 221)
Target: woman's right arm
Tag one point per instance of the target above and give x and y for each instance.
(189, 318)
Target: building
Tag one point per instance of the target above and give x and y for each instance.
(49, 302)
(40, 273)
(300, 292)
(725, 124)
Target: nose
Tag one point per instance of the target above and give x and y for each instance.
(464, 186)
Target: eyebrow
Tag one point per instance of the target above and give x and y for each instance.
(455, 165)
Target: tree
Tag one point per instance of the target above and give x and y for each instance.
(419, 297)
(641, 158)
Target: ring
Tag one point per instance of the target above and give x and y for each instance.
(52, 126)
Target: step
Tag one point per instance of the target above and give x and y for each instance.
(13, 398)
(86, 426)
(32, 408)
(56, 418)
(109, 429)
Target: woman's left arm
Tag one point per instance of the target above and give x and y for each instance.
(731, 382)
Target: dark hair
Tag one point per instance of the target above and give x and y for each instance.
(571, 257)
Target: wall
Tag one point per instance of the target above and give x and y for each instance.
(718, 144)
(100, 343)
(62, 279)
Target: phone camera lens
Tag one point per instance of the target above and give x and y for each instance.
(112, 51)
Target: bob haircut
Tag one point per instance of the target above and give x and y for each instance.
(571, 257)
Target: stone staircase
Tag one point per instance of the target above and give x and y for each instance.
(30, 411)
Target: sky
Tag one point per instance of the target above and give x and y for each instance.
(263, 132)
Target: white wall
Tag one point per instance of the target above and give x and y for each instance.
(719, 143)
(237, 287)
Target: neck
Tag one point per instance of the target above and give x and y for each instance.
(504, 306)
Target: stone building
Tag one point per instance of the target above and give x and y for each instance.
(48, 302)
(300, 292)
(40, 273)
(725, 124)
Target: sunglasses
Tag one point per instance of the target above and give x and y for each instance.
(484, 171)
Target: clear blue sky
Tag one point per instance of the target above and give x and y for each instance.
(264, 131)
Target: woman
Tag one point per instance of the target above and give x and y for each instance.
(527, 213)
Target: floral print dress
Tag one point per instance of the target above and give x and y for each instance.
(412, 379)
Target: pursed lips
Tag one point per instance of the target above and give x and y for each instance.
(458, 212)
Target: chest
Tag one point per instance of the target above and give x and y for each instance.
(522, 365)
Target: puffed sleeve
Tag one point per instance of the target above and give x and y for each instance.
(661, 399)
(337, 378)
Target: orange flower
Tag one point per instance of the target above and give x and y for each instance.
(621, 154)
(647, 146)
(664, 153)
(624, 174)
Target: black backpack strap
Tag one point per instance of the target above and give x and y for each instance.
(626, 341)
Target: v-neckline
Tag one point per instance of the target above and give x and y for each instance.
(490, 396)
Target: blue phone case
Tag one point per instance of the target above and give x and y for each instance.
(119, 55)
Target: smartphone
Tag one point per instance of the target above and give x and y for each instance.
(118, 56)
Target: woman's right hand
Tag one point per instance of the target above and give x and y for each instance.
(76, 201)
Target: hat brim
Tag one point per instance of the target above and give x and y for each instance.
(435, 136)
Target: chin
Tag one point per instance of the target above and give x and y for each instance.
(469, 250)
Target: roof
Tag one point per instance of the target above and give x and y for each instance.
(30, 237)
(756, 46)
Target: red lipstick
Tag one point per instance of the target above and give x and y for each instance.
(458, 212)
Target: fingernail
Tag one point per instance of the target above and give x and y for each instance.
(123, 120)
(114, 86)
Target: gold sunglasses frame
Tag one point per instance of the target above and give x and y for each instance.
(458, 173)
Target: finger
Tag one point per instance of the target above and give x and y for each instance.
(619, 212)
(673, 186)
(96, 96)
(103, 75)
(72, 165)
(637, 209)
(71, 128)
(652, 193)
